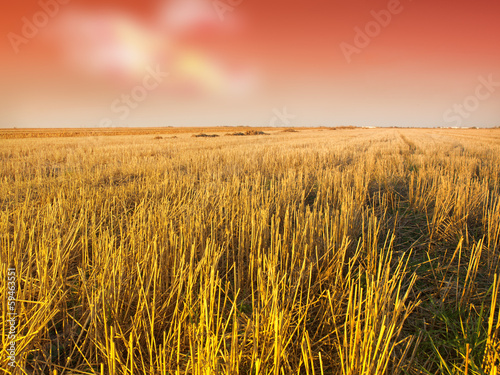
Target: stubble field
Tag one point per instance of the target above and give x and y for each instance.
(367, 251)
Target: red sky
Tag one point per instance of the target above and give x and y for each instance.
(429, 65)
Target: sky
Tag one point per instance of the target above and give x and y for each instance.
(125, 63)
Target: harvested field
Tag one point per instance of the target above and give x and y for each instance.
(358, 251)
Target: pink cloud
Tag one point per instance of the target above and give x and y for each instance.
(117, 47)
